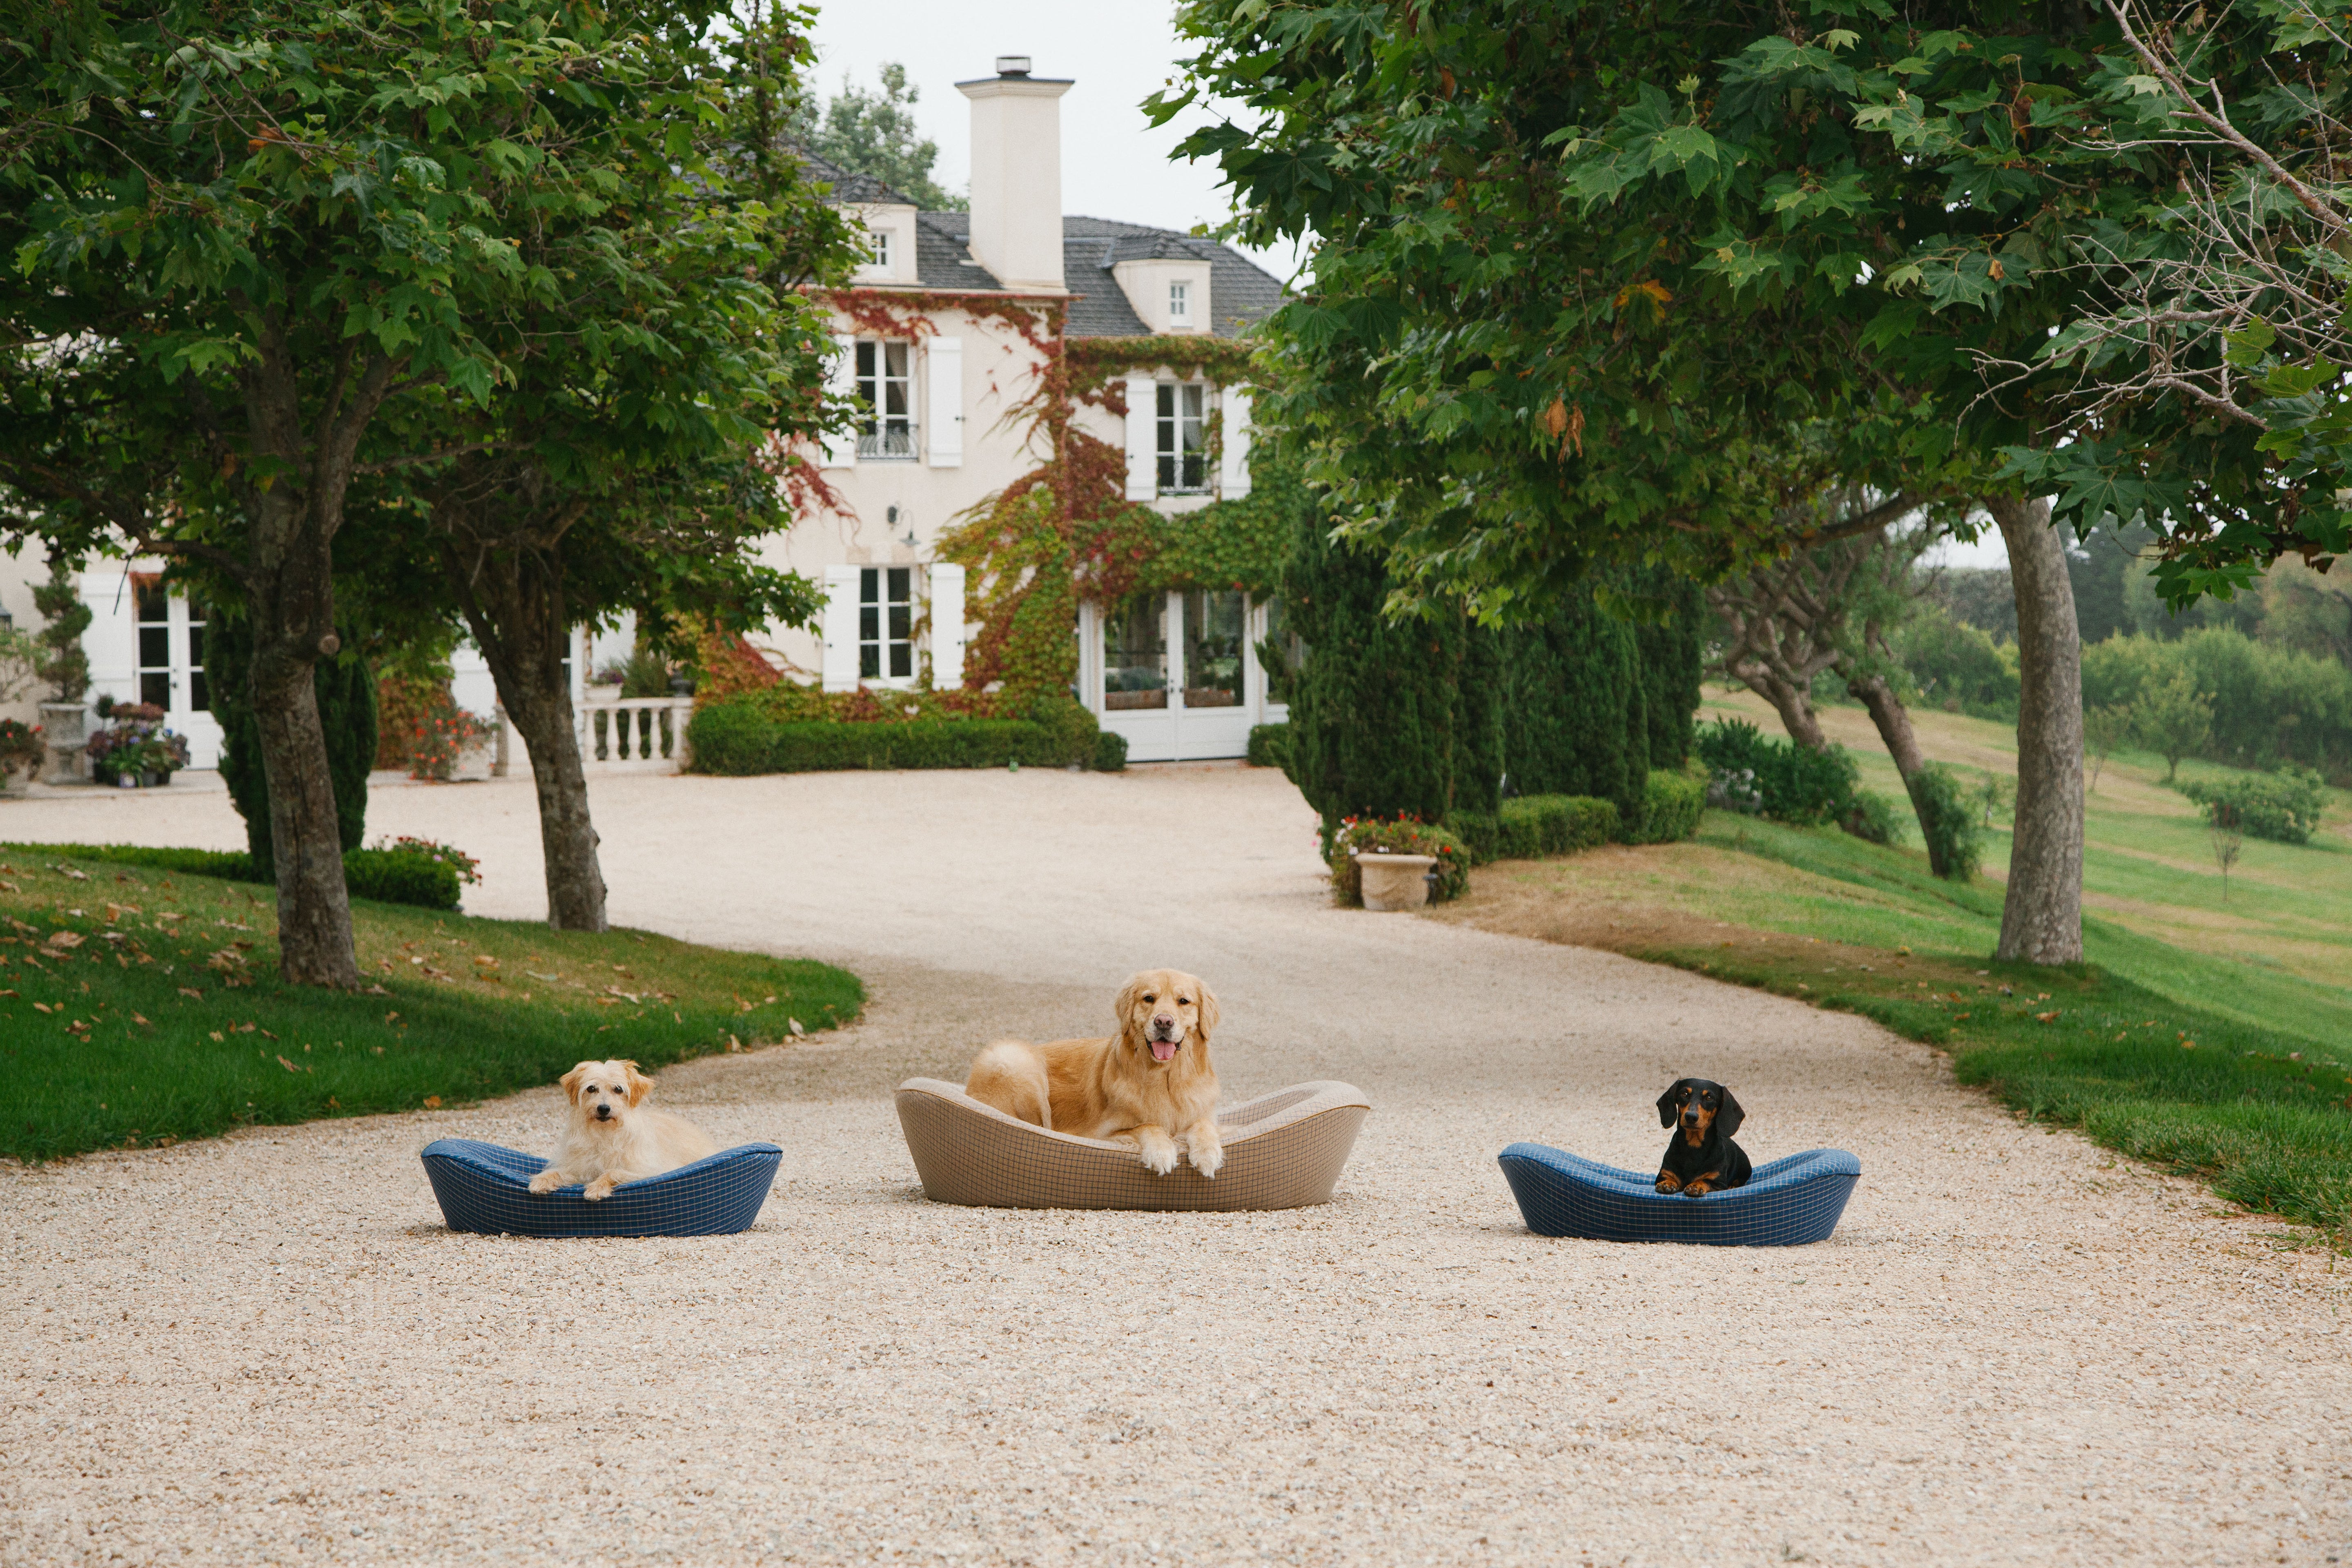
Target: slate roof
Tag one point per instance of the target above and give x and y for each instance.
(1241, 294)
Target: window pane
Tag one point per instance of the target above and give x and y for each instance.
(902, 620)
(866, 359)
(869, 623)
(156, 687)
(196, 643)
(869, 585)
(902, 660)
(1214, 628)
(894, 356)
(154, 647)
(1196, 454)
(200, 692)
(869, 661)
(902, 580)
(154, 605)
(1134, 653)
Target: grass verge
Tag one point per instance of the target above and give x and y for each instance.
(138, 1007)
(2186, 1059)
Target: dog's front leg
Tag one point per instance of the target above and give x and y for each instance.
(1157, 1150)
(1669, 1183)
(1207, 1151)
(1700, 1186)
(601, 1188)
(549, 1179)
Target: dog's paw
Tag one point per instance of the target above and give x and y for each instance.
(1209, 1160)
(597, 1191)
(1159, 1156)
(546, 1181)
(1696, 1190)
(1669, 1185)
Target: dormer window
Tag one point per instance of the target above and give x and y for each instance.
(881, 237)
(1180, 304)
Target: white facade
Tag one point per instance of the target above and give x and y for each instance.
(946, 432)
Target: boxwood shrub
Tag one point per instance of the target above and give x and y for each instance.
(1269, 747)
(734, 738)
(1676, 801)
(386, 876)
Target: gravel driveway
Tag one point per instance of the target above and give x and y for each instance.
(2017, 1348)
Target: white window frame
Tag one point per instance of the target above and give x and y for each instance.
(881, 259)
(885, 624)
(1179, 303)
(887, 433)
(1171, 420)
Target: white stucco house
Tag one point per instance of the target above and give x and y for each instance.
(945, 378)
(942, 371)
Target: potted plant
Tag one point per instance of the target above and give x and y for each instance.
(605, 686)
(22, 750)
(65, 718)
(134, 748)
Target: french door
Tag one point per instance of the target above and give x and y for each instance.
(171, 670)
(1175, 673)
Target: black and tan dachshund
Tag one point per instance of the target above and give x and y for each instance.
(1702, 1158)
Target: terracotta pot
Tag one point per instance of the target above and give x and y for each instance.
(1394, 882)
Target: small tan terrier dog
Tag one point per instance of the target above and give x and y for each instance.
(612, 1138)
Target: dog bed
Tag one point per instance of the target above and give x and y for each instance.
(487, 1190)
(1786, 1202)
(1283, 1151)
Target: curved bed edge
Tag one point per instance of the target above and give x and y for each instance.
(485, 1189)
(1284, 1150)
(1790, 1202)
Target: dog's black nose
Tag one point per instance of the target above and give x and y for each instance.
(604, 1114)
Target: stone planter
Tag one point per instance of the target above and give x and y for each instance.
(1394, 882)
(65, 726)
(601, 696)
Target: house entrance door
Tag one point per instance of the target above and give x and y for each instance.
(1174, 673)
(171, 643)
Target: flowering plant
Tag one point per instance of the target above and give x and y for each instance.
(1397, 836)
(469, 869)
(21, 748)
(137, 743)
(438, 735)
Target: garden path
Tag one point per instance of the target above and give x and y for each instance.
(2018, 1348)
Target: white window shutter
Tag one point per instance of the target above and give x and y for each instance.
(1232, 472)
(1142, 437)
(841, 381)
(840, 662)
(946, 627)
(945, 415)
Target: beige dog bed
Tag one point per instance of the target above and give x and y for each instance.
(1283, 1151)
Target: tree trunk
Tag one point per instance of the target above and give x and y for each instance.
(515, 604)
(2041, 917)
(1894, 721)
(1792, 702)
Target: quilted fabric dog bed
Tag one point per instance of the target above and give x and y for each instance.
(485, 1189)
(1283, 1151)
(1786, 1202)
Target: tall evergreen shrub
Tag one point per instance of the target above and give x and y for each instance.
(1374, 714)
(1576, 718)
(347, 711)
(1673, 655)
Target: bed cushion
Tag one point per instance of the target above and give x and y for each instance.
(485, 1189)
(1283, 1150)
(1786, 1202)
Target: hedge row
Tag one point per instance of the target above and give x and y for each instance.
(735, 738)
(1536, 826)
(386, 876)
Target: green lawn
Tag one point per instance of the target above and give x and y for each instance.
(2209, 1036)
(138, 1007)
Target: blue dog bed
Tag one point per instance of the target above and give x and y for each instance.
(1786, 1202)
(487, 1190)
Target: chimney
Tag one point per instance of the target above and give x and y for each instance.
(1017, 174)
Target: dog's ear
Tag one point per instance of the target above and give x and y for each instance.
(1727, 1119)
(1207, 1000)
(571, 1081)
(1666, 1106)
(639, 1084)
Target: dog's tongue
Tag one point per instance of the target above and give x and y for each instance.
(1164, 1050)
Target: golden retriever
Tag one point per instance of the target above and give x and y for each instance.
(1147, 1086)
(612, 1138)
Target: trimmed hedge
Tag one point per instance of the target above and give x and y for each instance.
(1269, 747)
(1111, 753)
(1675, 801)
(733, 738)
(2284, 807)
(386, 876)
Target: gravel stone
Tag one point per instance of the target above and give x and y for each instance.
(2018, 1347)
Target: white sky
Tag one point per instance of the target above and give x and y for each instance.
(1119, 52)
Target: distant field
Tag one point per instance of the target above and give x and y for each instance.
(2211, 1037)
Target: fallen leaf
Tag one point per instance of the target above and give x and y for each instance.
(65, 939)
(289, 1066)
(2043, 1018)
(432, 1103)
(535, 974)
(487, 962)
(189, 991)
(216, 1034)
(43, 1007)
(734, 1044)
(797, 1030)
(377, 991)
(137, 1018)
(69, 872)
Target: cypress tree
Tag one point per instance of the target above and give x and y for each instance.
(1478, 759)
(1674, 654)
(347, 713)
(1372, 717)
(1575, 719)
